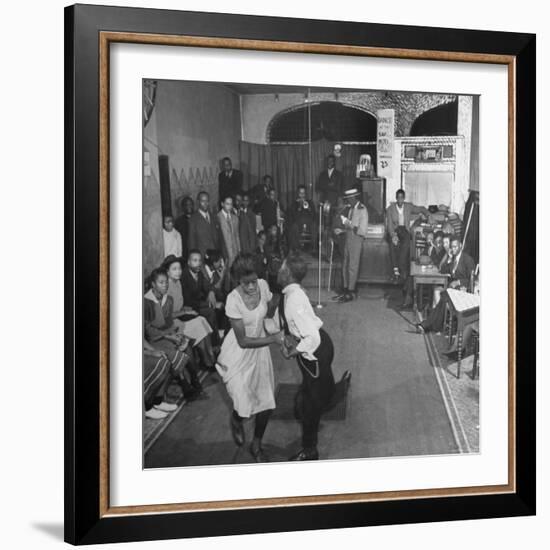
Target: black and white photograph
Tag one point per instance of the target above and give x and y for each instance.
(311, 268)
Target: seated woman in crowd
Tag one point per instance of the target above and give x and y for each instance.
(275, 252)
(193, 325)
(157, 375)
(166, 334)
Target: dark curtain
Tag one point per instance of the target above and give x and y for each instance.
(471, 238)
(289, 165)
(474, 151)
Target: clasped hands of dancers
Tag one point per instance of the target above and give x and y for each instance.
(245, 364)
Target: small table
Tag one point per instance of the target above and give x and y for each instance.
(430, 275)
(464, 306)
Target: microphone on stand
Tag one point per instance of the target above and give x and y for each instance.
(324, 211)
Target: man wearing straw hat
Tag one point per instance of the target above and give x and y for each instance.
(355, 220)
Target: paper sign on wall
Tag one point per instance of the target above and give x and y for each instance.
(384, 141)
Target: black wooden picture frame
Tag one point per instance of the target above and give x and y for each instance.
(88, 518)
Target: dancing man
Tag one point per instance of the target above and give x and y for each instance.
(313, 349)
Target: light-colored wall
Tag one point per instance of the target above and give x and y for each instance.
(197, 125)
(152, 219)
(258, 110)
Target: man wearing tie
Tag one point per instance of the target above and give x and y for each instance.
(229, 228)
(203, 227)
(313, 349)
(247, 226)
(230, 180)
(330, 183)
(355, 219)
(460, 267)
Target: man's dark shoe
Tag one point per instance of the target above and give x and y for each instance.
(309, 454)
(348, 297)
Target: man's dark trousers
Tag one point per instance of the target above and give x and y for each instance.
(317, 390)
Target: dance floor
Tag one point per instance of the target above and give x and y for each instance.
(394, 406)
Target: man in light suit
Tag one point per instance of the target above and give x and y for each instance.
(355, 220)
(203, 227)
(228, 223)
(398, 222)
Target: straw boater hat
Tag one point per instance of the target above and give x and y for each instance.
(354, 192)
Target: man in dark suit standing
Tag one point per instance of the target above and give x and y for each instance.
(230, 180)
(247, 226)
(198, 293)
(260, 190)
(181, 223)
(460, 267)
(330, 183)
(267, 209)
(203, 227)
(301, 218)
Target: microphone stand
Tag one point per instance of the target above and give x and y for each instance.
(319, 305)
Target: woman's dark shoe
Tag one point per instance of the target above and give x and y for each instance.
(258, 454)
(237, 430)
(306, 454)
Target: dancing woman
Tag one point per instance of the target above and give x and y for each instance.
(245, 362)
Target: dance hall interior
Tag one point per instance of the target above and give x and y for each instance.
(310, 273)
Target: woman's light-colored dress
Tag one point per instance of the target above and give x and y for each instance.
(248, 373)
(198, 328)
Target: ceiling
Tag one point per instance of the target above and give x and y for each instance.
(248, 89)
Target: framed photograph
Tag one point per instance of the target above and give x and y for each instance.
(299, 287)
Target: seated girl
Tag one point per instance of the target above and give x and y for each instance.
(166, 334)
(193, 325)
(157, 375)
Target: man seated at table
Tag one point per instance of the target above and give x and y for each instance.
(460, 267)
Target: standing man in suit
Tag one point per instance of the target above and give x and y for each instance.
(228, 223)
(355, 220)
(267, 209)
(313, 349)
(398, 222)
(198, 293)
(260, 190)
(247, 226)
(330, 183)
(182, 222)
(460, 266)
(203, 226)
(230, 180)
(301, 218)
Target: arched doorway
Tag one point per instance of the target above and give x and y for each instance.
(439, 121)
(330, 120)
